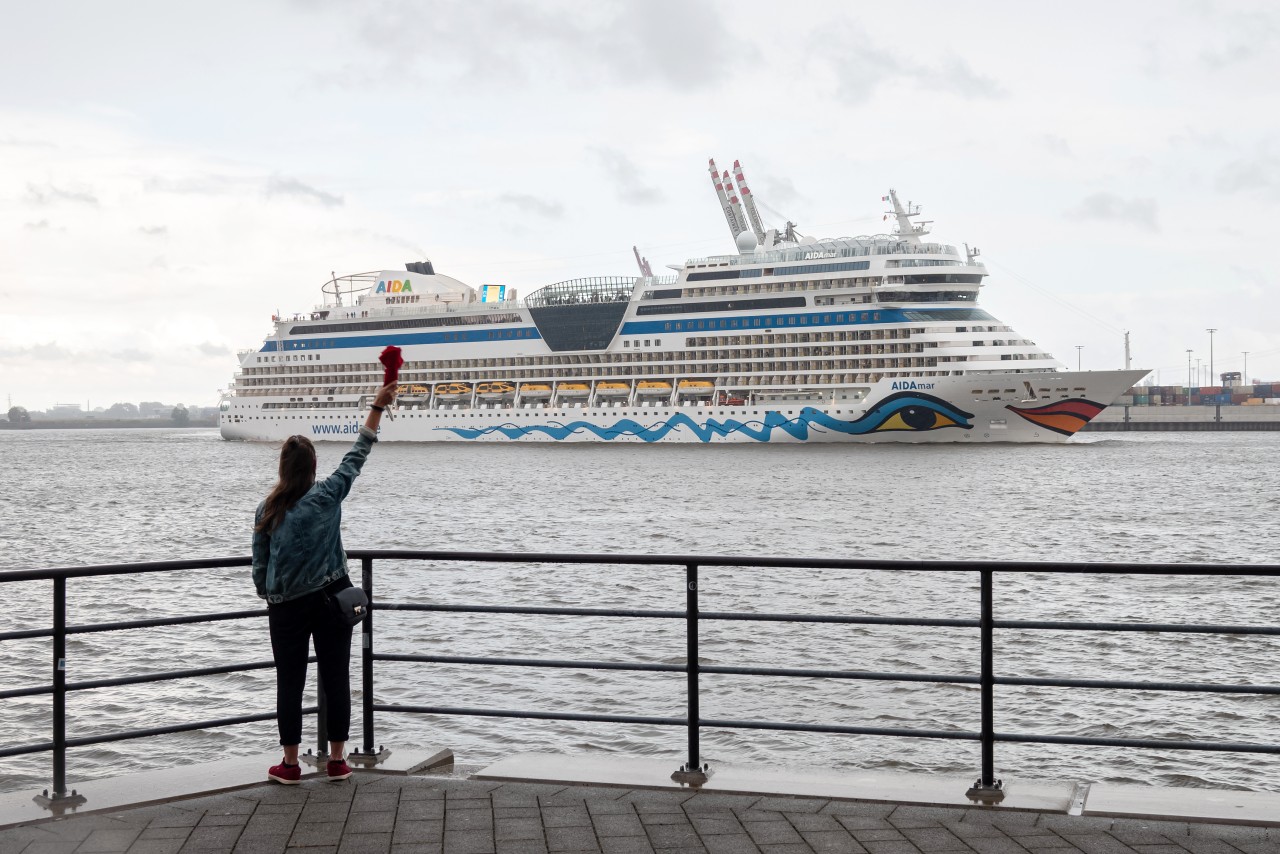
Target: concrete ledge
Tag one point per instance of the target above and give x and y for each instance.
(1261, 809)
(870, 786)
(192, 781)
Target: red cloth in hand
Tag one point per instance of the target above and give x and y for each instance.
(391, 360)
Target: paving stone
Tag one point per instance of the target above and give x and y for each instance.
(1202, 845)
(785, 849)
(704, 802)
(664, 818)
(1169, 829)
(999, 845)
(739, 843)
(517, 812)
(603, 806)
(858, 808)
(522, 846)
(468, 842)
(427, 832)
(753, 814)
(370, 822)
(44, 847)
(565, 816)
(891, 846)
(870, 834)
(862, 822)
(974, 830)
(918, 816)
(421, 810)
(375, 802)
(788, 805)
(712, 824)
(167, 846)
(571, 839)
(663, 836)
(1103, 843)
(316, 833)
(618, 825)
(324, 812)
(628, 845)
(934, 839)
(224, 819)
(1048, 842)
(1164, 849)
(266, 843)
(365, 843)
(165, 833)
(772, 832)
(831, 842)
(293, 808)
(571, 794)
(217, 838)
(469, 819)
(507, 829)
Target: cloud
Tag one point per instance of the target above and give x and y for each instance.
(1252, 35)
(131, 354)
(51, 352)
(278, 185)
(205, 185)
(211, 349)
(154, 230)
(1108, 207)
(860, 68)
(626, 178)
(682, 44)
(37, 226)
(16, 142)
(49, 194)
(533, 205)
(1056, 144)
(1257, 174)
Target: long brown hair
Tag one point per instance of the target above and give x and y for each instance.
(297, 474)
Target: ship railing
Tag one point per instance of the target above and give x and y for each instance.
(682, 573)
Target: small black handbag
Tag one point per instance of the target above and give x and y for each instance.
(350, 604)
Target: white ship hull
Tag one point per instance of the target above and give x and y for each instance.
(943, 409)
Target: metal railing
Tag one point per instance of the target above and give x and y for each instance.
(987, 787)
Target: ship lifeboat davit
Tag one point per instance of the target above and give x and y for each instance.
(612, 389)
(535, 391)
(574, 389)
(696, 388)
(452, 391)
(495, 390)
(653, 388)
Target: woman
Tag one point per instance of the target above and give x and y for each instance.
(298, 562)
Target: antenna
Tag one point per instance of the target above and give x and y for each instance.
(907, 230)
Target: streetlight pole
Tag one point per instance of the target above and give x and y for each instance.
(1189, 377)
(1079, 347)
(1246, 369)
(1211, 331)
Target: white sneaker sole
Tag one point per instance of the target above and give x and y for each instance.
(282, 780)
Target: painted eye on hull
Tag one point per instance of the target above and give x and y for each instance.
(916, 418)
(913, 412)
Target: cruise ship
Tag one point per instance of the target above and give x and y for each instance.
(790, 338)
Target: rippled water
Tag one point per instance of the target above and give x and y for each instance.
(81, 497)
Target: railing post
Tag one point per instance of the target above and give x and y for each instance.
(694, 771)
(987, 788)
(59, 798)
(366, 755)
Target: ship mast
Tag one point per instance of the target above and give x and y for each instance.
(909, 231)
(739, 216)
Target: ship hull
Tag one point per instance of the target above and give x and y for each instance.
(966, 409)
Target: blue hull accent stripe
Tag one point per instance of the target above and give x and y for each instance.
(898, 412)
(453, 336)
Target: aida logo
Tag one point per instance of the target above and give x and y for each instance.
(394, 287)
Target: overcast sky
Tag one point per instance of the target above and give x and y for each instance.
(173, 174)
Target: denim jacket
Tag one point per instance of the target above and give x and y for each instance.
(304, 553)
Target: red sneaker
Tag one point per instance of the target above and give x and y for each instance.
(290, 775)
(338, 769)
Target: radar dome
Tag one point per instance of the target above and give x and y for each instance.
(746, 241)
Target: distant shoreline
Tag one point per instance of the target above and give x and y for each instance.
(106, 423)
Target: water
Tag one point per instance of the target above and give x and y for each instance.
(82, 497)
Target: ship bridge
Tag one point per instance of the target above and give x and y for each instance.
(581, 314)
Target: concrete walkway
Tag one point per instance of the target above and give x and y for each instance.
(374, 812)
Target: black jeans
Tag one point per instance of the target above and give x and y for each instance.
(293, 624)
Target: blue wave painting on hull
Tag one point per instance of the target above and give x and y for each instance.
(904, 411)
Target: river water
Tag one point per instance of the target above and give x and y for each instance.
(107, 496)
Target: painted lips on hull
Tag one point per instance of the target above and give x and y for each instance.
(1066, 417)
